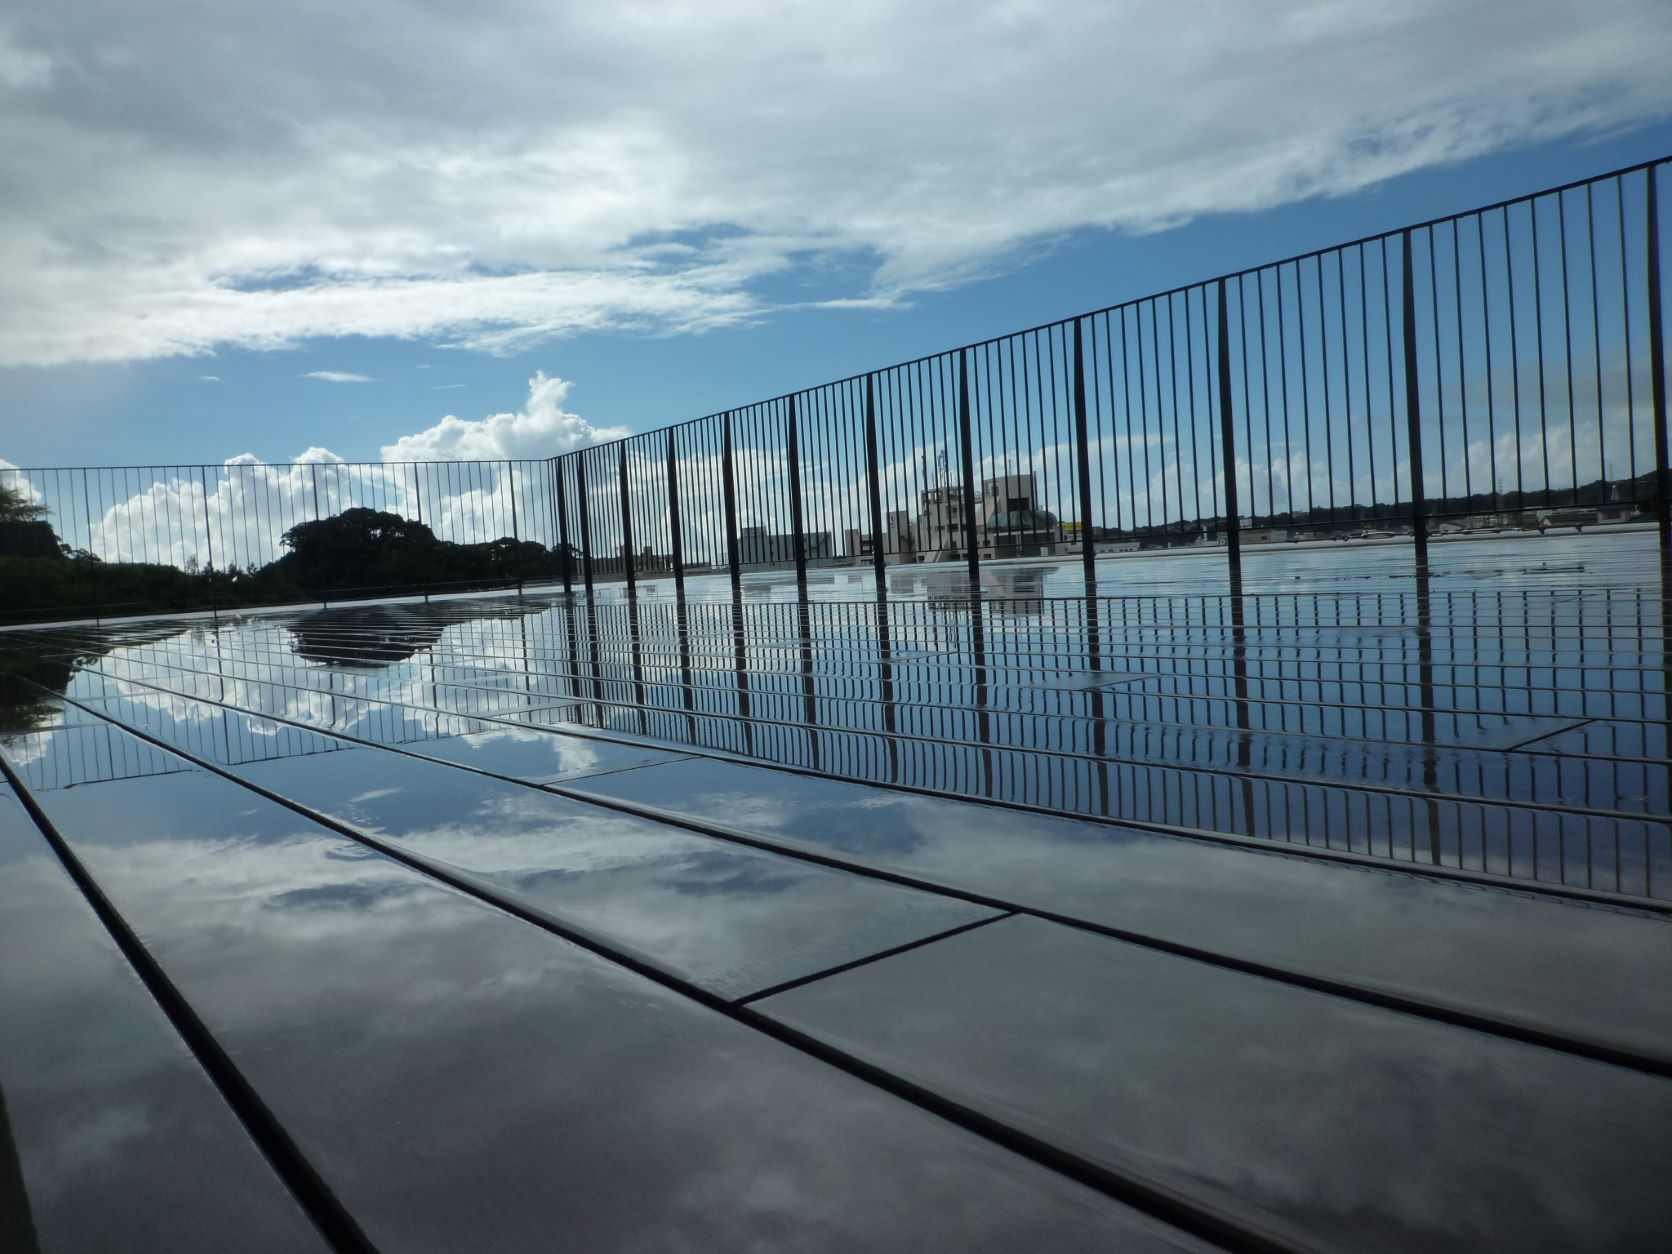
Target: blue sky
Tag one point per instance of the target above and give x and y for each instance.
(672, 222)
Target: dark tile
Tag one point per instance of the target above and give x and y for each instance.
(1540, 962)
(724, 916)
(1325, 1122)
(123, 1141)
(463, 1080)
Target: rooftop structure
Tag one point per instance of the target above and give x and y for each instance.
(990, 891)
(608, 874)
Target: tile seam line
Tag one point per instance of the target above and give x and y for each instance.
(1434, 1011)
(566, 778)
(296, 1174)
(804, 980)
(1218, 772)
(1374, 862)
(1523, 746)
(1154, 1201)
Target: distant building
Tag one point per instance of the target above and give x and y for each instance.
(756, 546)
(898, 542)
(940, 523)
(1009, 522)
(1012, 524)
(648, 561)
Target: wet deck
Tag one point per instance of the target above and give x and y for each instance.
(1330, 912)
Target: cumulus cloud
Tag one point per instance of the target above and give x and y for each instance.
(337, 376)
(22, 68)
(542, 428)
(652, 167)
(237, 513)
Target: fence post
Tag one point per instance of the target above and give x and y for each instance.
(516, 529)
(100, 587)
(873, 473)
(1413, 403)
(1228, 439)
(1082, 450)
(626, 522)
(511, 479)
(967, 452)
(209, 539)
(676, 544)
(561, 497)
(1657, 369)
(586, 523)
(730, 487)
(798, 529)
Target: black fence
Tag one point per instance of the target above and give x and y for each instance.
(1498, 369)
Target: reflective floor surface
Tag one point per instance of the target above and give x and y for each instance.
(1328, 910)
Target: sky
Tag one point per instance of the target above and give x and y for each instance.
(508, 228)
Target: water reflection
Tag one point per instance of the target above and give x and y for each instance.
(1328, 1124)
(1479, 716)
(359, 996)
(17, 1225)
(727, 918)
(376, 636)
(1502, 712)
(111, 1135)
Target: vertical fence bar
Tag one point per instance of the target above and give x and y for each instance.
(729, 486)
(873, 474)
(1228, 440)
(798, 527)
(966, 450)
(626, 521)
(1082, 450)
(1413, 401)
(1657, 369)
(563, 549)
(208, 537)
(511, 488)
(586, 523)
(676, 545)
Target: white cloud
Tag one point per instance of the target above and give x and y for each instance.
(647, 166)
(208, 378)
(21, 68)
(238, 512)
(337, 376)
(542, 428)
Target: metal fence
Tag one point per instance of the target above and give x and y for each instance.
(1499, 368)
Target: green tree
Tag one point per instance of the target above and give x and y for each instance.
(15, 506)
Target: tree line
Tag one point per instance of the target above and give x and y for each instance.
(359, 552)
